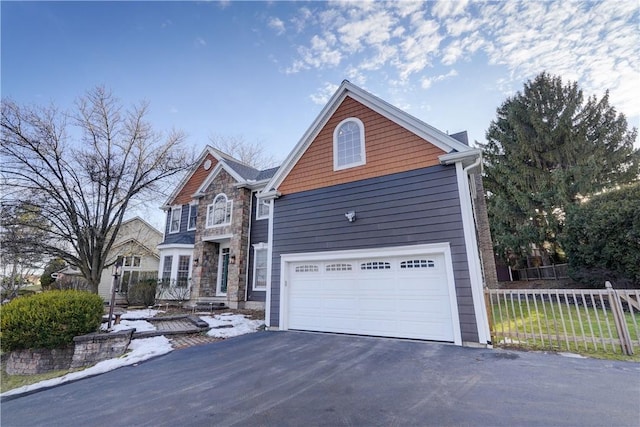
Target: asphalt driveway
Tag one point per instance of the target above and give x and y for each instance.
(305, 379)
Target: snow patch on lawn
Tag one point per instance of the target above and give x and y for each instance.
(240, 325)
(138, 325)
(572, 355)
(140, 314)
(140, 350)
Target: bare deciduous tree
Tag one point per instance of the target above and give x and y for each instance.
(81, 170)
(253, 154)
(19, 259)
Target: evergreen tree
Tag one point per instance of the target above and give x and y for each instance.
(547, 149)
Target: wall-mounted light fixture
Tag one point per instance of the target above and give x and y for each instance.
(351, 216)
(232, 259)
(196, 261)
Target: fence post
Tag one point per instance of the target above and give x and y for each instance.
(618, 317)
(487, 302)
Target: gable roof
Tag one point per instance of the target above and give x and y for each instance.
(241, 172)
(438, 138)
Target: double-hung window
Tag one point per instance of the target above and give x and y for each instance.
(264, 206)
(260, 266)
(193, 216)
(174, 219)
(219, 212)
(183, 270)
(166, 269)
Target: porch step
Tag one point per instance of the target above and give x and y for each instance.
(209, 303)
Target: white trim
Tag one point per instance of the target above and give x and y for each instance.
(175, 208)
(219, 269)
(228, 210)
(175, 246)
(466, 157)
(436, 137)
(261, 202)
(217, 237)
(188, 176)
(191, 206)
(259, 247)
(217, 154)
(267, 299)
(473, 256)
(423, 249)
(363, 157)
(221, 165)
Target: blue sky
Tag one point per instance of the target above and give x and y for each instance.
(264, 70)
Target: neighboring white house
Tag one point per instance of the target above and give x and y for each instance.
(136, 243)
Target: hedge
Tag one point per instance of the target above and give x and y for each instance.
(602, 239)
(49, 319)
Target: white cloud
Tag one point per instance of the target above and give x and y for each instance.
(323, 94)
(428, 81)
(370, 31)
(446, 8)
(277, 25)
(595, 43)
(299, 21)
(199, 41)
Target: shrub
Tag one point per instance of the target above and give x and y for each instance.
(602, 239)
(49, 319)
(142, 293)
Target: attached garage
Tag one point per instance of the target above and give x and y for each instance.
(404, 292)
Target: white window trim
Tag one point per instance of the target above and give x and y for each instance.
(260, 202)
(363, 157)
(258, 247)
(189, 228)
(210, 210)
(179, 210)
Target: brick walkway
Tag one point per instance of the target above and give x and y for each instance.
(189, 340)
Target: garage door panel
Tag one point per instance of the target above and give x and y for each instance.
(405, 297)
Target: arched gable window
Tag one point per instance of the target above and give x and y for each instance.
(348, 144)
(219, 212)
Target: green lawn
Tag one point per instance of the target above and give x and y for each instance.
(532, 324)
(9, 382)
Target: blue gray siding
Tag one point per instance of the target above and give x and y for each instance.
(415, 207)
(259, 233)
(184, 236)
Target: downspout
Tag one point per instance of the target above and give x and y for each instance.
(480, 299)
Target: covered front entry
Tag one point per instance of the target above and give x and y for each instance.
(404, 292)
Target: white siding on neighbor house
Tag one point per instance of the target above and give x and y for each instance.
(147, 263)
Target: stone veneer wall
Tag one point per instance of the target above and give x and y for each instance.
(88, 350)
(206, 247)
(484, 234)
(38, 361)
(94, 348)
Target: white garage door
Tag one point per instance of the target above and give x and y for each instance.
(401, 296)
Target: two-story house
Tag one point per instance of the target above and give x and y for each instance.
(216, 233)
(370, 226)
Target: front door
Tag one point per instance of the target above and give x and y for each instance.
(223, 269)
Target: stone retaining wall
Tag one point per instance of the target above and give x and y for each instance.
(31, 362)
(94, 348)
(88, 350)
